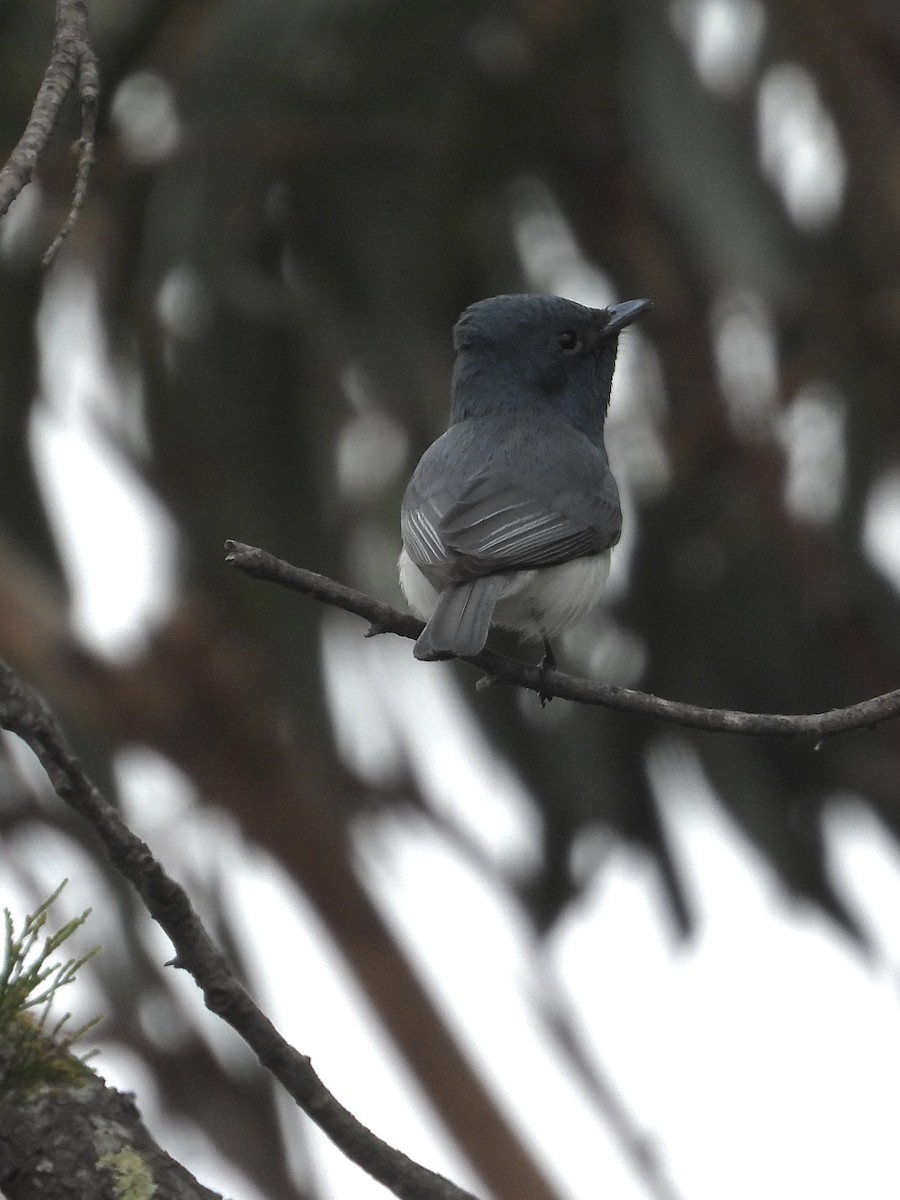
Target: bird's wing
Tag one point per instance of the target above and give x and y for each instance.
(492, 524)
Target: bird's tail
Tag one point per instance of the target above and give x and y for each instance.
(459, 625)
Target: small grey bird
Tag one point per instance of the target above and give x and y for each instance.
(510, 516)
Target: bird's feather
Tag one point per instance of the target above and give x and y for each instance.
(515, 502)
(461, 619)
(490, 522)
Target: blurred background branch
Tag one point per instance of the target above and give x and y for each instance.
(72, 62)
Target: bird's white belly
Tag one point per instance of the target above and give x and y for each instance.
(543, 601)
(536, 603)
(420, 595)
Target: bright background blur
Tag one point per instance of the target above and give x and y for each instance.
(672, 957)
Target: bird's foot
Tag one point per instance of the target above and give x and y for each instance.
(546, 665)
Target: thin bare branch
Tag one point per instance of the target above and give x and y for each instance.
(816, 727)
(167, 902)
(72, 60)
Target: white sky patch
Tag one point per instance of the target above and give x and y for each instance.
(368, 739)
(26, 769)
(78, 380)
(553, 262)
(866, 862)
(743, 338)
(723, 38)
(116, 541)
(371, 449)
(314, 1000)
(372, 445)
(154, 794)
(111, 611)
(143, 114)
(637, 409)
(764, 1057)
(42, 856)
(550, 256)
(799, 147)
(475, 950)
(604, 650)
(813, 434)
(21, 223)
(18, 899)
(881, 528)
(390, 710)
(184, 304)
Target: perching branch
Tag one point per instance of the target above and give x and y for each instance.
(167, 902)
(71, 61)
(503, 670)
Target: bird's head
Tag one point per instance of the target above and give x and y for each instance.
(516, 351)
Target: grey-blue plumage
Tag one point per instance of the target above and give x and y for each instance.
(510, 515)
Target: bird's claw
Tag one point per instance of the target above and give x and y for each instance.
(546, 665)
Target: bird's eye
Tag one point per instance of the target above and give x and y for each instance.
(568, 341)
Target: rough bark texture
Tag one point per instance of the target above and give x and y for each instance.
(86, 1142)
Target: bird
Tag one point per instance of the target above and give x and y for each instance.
(510, 516)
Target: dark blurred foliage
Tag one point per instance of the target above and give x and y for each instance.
(347, 178)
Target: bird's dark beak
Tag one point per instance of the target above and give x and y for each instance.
(623, 314)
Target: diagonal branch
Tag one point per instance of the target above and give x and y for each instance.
(167, 902)
(72, 61)
(192, 698)
(504, 670)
